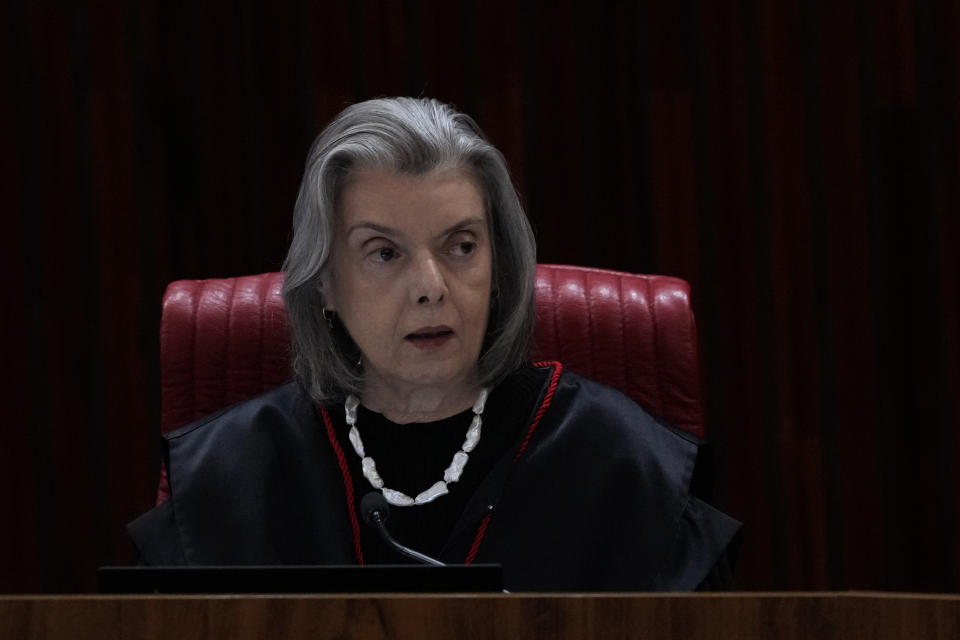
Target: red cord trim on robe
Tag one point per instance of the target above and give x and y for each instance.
(481, 532)
(347, 483)
(547, 399)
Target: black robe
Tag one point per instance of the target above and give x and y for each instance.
(595, 495)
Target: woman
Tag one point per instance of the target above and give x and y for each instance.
(410, 289)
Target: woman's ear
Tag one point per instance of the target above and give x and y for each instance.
(326, 295)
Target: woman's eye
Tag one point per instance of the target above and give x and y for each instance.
(464, 248)
(384, 254)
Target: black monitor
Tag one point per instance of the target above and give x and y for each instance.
(303, 579)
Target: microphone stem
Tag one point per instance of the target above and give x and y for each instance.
(410, 553)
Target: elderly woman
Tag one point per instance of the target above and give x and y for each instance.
(410, 289)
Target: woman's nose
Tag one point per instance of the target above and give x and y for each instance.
(428, 285)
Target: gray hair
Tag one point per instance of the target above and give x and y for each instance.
(413, 136)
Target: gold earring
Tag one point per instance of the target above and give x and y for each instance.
(328, 318)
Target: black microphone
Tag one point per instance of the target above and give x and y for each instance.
(374, 509)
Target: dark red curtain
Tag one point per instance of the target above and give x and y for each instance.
(797, 162)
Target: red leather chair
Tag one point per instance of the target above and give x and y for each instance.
(226, 340)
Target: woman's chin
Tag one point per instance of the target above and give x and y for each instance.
(438, 376)
(438, 373)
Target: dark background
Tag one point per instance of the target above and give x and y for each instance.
(797, 162)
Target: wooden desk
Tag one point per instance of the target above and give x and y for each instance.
(684, 616)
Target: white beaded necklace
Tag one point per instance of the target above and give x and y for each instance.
(450, 475)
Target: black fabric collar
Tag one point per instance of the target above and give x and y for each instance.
(411, 457)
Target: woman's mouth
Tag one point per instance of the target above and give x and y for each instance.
(430, 338)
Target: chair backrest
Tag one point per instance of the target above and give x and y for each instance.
(226, 340)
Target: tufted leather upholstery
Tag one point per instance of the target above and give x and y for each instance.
(225, 340)
(632, 332)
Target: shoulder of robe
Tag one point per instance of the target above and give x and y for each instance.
(287, 403)
(605, 413)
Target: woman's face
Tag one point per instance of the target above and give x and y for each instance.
(409, 276)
